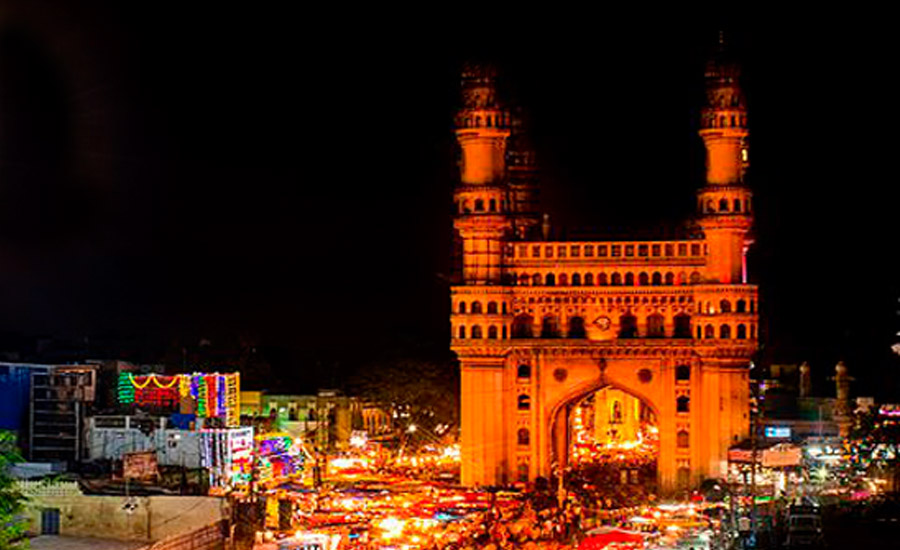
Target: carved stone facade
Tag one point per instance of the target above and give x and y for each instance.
(538, 325)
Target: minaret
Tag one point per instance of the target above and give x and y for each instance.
(842, 412)
(482, 129)
(522, 175)
(724, 202)
(805, 380)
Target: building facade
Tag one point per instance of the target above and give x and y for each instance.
(539, 325)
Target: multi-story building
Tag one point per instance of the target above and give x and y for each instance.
(60, 403)
(540, 325)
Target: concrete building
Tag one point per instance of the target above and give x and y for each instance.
(325, 420)
(61, 508)
(110, 437)
(540, 325)
(60, 403)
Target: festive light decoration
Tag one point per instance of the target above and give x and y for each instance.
(278, 456)
(126, 388)
(228, 454)
(214, 394)
(202, 395)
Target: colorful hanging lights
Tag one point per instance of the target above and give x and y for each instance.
(214, 394)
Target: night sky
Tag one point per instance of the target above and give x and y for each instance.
(171, 174)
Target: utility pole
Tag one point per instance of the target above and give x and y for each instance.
(754, 428)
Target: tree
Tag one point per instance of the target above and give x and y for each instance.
(420, 395)
(12, 502)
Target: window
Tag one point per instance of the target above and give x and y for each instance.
(574, 251)
(654, 250)
(683, 439)
(522, 326)
(588, 279)
(643, 279)
(617, 279)
(642, 250)
(741, 306)
(741, 332)
(476, 332)
(524, 402)
(724, 331)
(629, 279)
(601, 251)
(492, 332)
(563, 279)
(576, 279)
(536, 251)
(523, 437)
(629, 250)
(523, 471)
(602, 279)
(548, 251)
(737, 205)
(462, 307)
(709, 332)
(682, 373)
(682, 249)
(725, 306)
(670, 250)
(550, 280)
(561, 252)
(670, 279)
(683, 404)
(504, 336)
(656, 327)
(549, 327)
(476, 307)
(524, 372)
(628, 326)
(695, 250)
(536, 280)
(657, 278)
(616, 250)
(479, 205)
(682, 326)
(492, 308)
(588, 251)
(492, 205)
(576, 328)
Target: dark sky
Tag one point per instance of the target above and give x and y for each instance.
(176, 173)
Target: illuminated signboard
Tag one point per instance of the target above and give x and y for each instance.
(889, 409)
(780, 432)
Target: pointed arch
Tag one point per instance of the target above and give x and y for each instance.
(656, 326)
(725, 331)
(550, 327)
(628, 326)
(576, 328)
(523, 326)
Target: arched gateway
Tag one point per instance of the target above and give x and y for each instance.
(539, 326)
